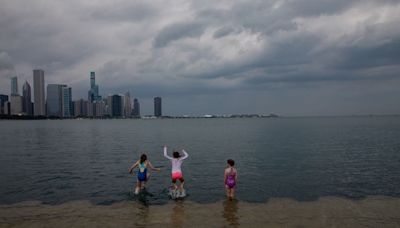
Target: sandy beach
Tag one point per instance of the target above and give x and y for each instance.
(326, 212)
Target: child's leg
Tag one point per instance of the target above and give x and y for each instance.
(174, 184)
(232, 193)
(137, 188)
(182, 183)
(145, 182)
(227, 191)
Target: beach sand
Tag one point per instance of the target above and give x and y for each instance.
(377, 211)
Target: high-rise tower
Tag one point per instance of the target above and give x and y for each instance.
(93, 94)
(26, 99)
(157, 107)
(14, 86)
(38, 91)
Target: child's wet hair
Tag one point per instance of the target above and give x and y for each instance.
(176, 154)
(143, 158)
(231, 162)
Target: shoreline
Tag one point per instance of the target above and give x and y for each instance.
(373, 211)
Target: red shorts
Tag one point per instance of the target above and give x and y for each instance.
(177, 176)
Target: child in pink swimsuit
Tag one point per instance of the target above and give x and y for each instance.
(176, 161)
(230, 179)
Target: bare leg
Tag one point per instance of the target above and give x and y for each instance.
(227, 191)
(145, 182)
(232, 193)
(137, 188)
(181, 186)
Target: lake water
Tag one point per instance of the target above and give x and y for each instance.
(56, 161)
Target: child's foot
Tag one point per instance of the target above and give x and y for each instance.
(136, 191)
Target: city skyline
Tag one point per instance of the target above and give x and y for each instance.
(284, 57)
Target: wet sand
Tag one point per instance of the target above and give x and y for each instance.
(326, 212)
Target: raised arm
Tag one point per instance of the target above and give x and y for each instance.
(165, 153)
(133, 166)
(152, 167)
(185, 154)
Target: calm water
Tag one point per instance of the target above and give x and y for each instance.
(303, 158)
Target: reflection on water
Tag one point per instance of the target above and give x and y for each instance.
(230, 212)
(178, 214)
(142, 216)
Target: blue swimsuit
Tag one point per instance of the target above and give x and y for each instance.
(142, 174)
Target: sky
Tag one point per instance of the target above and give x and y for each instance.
(288, 57)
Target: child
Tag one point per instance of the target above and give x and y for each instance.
(143, 175)
(230, 179)
(176, 167)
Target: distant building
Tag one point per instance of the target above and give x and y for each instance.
(14, 86)
(81, 108)
(115, 105)
(93, 94)
(16, 105)
(38, 91)
(3, 103)
(7, 108)
(99, 109)
(127, 105)
(27, 105)
(67, 102)
(54, 100)
(157, 107)
(136, 108)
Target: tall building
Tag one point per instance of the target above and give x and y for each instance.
(27, 106)
(127, 105)
(54, 100)
(136, 108)
(14, 86)
(81, 108)
(67, 102)
(93, 94)
(38, 91)
(16, 105)
(157, 107)
(115, 105)
(99, 109)
(3, 103)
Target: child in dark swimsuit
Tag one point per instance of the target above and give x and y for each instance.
(143, 175)
(230, 179)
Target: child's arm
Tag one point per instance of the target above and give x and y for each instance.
(133, 166)
(152, 167)
(165, 153)
(185, 154)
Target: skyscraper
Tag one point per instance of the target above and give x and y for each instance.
(16, 105)
(93, 94)
(54, 100)
(67, 102)
(115, 105)
(136, 108)
(3, 103)
(14, 86)
(26, 99)
(127, 105)
(38, 91)
(157, 107)
(80, 108)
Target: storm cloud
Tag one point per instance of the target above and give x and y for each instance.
(303, 57)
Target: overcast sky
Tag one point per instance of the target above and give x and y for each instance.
(289, 57)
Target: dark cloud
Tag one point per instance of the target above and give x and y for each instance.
(5, 62)
(224, 31)
(256, 54)
(178, 31)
